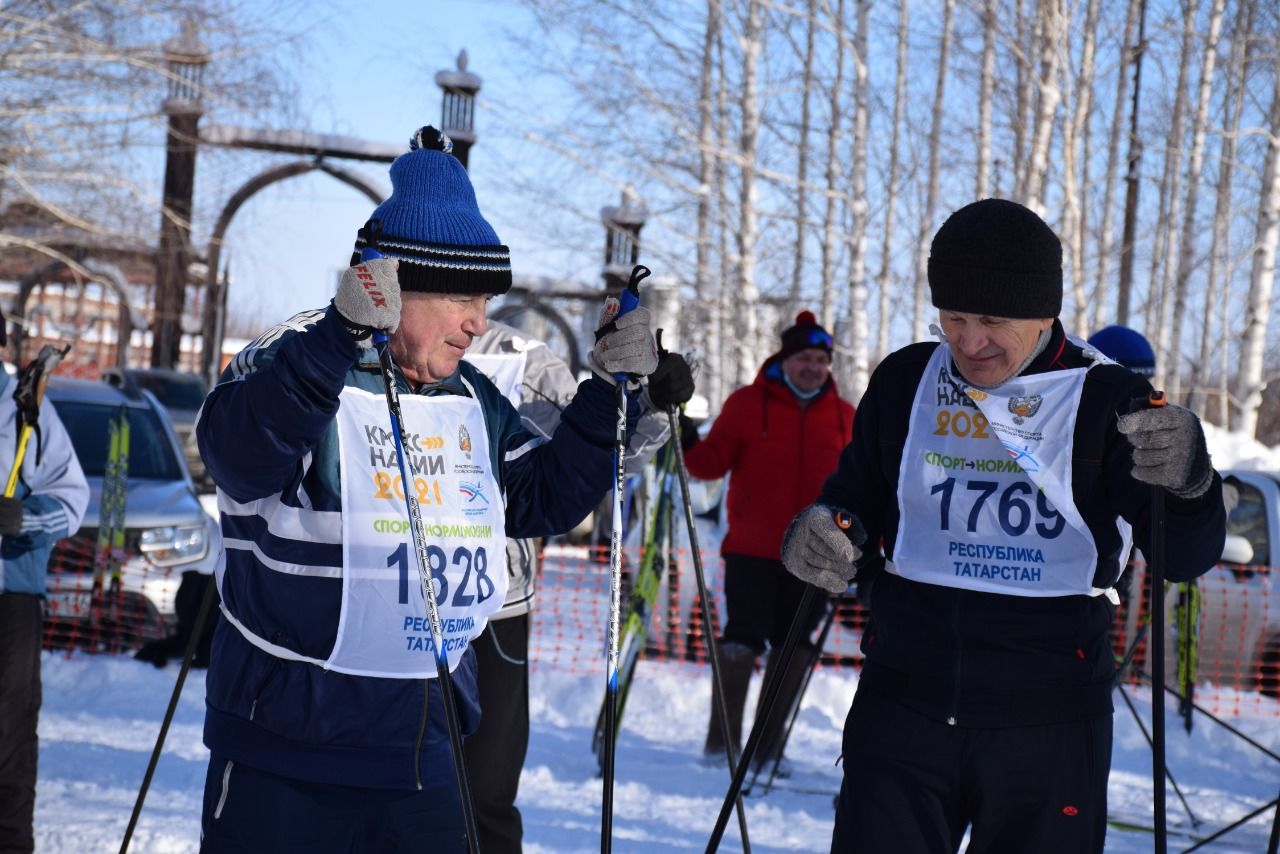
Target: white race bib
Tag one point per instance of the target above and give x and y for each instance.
(984, 490)
(505, 370)
(384, 630)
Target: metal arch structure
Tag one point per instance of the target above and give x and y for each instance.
(215, 305)
(103, 273)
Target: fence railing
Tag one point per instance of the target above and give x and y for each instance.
(1238, 643)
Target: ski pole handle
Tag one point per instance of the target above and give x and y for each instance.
(629, 299)
(368, 253)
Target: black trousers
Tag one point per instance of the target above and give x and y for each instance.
(912, 784)
(495, 752)
(762, 599)
(21, 630)
(248, 810)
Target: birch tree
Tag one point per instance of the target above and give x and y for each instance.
(802, 151)
(80, 90)
(891, 193)
(986, 86)
(927, 214)
(1216, 292)
(1159, 293)
(706, 174)
(858, 293)
(1051, 29)
(1075, 193)
(1105, 231)
(749, 109)
(1186, 251)
(1133, 178)
(1262, 274)
(827, 310)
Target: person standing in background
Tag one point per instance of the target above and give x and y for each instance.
(540, 385)
(48, 504)
(777, 439)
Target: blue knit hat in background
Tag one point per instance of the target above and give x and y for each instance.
(433, 227)
(1127, 347)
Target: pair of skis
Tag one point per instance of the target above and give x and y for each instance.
(648, 578)
(108, 555)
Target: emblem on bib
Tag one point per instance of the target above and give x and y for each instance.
(464, 441)
(1024, 407)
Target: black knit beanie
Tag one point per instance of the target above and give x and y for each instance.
(997, 258)
(805, 334)
(433, 227)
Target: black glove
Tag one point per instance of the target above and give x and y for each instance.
(671, 383)
(10, 516)
(688, 432)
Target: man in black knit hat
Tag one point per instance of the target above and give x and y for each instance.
(994, 482)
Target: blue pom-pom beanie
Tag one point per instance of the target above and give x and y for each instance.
(432, 225)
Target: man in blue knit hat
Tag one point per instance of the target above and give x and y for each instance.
(325, 719)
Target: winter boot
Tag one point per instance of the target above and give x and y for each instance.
(737, 661)
(773, 739)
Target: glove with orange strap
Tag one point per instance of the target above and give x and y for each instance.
(821, 545)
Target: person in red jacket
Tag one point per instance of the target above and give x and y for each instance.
(778, 439)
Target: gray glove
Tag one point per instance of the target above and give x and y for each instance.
(821, 545)
(368, 298)
(1169, 449)
(624, 345)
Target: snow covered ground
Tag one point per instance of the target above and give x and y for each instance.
(101, 717)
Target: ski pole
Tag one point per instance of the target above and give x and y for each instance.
(704, 596)
(205, 604)
(795, 705)
(381, 342)
(758, 726)
(1273, 844)
(627, 300)
(28, 396)
(1157, 399)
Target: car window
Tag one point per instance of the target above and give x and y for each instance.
(176, 392)
(1248, 519)
(151, 455)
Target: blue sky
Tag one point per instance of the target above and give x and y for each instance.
(369, 76)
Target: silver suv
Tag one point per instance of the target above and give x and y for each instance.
(167, 531)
